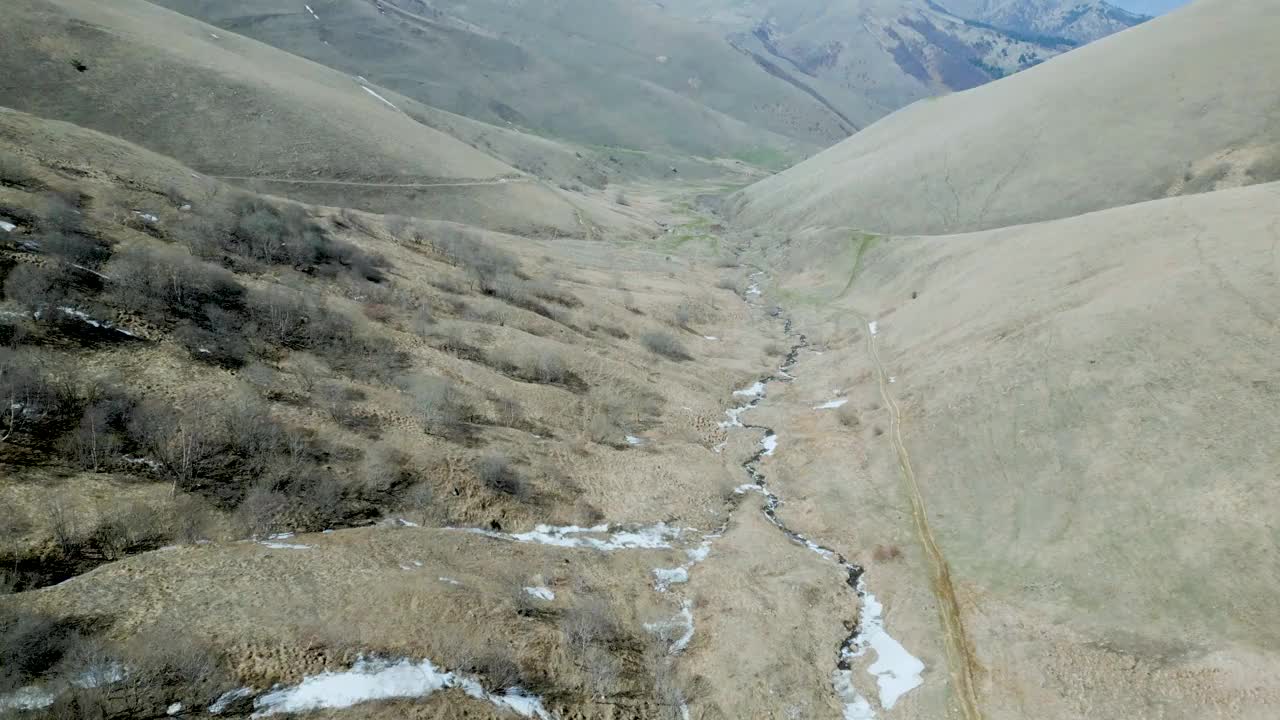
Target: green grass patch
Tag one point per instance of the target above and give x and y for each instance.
(862, 242)
(763, 156)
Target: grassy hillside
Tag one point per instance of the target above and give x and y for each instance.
(1176, 114)
(184, 363)
(598, 73)
(198, 94)
(1087, 405)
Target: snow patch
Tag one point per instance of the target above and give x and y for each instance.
(313, 12)
(897, 671)
(647, 538)
(384, 100)
(542, 593)
(682, 622)
(448, 580)
(284, 546)
(633, 440)
(664, 578)
(769, 443)
(7, 226)
(712, 338)
(755, 390)
(874, 327)
(225, 699)
(832, 404)
(385, 679)
(27, 698)
(173, 709)
(855, 706)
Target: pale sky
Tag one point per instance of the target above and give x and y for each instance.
(1150, 7)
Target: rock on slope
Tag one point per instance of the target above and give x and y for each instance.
(1168, 107)
(1079, 20)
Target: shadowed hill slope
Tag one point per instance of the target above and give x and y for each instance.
(1169, 107)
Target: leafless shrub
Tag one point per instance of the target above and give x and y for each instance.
(886, 553)
(31, 400)
(31, 644)
(423, 321)
(614, 410)
(138, 526)
(499, 474)
(163, 284)
(498, 671)
(64, 525)
(419, 503)
(14, 171)
(663, 344)
(285, 235)
(440, 404)
(385, 467)
(261, 511)
(509, 412)
(848, 415)
(539, 365)
(193, 519)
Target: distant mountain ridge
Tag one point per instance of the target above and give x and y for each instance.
(1080, 21)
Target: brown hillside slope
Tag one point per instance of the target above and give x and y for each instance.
(199, 94)
(1170, 107)
(1088, 406)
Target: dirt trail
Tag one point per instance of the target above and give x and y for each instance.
(960, 657)
(352, 183)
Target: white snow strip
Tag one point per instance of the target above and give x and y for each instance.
(720, 446)
(653, 537)
(7, 226)
(214, 36)
(633, 440)
(832, 404)
(406, 523)
(27, 698)
(897, 671)
(683, 621)
(745, 488)
(874, 327)
(769, 443)
(755, 390)
(147, 217)
(225, 699)
(284, 546)
(542, 593)
(893, 379)
(700, 553)
(388, 102)
(313, 12)
(280, 536)
(449, 580)
(382, 680)
(664, 578)
(754, 289)
(173, 709)
(712, 338)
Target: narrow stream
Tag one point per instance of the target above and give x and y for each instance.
(896, 670)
